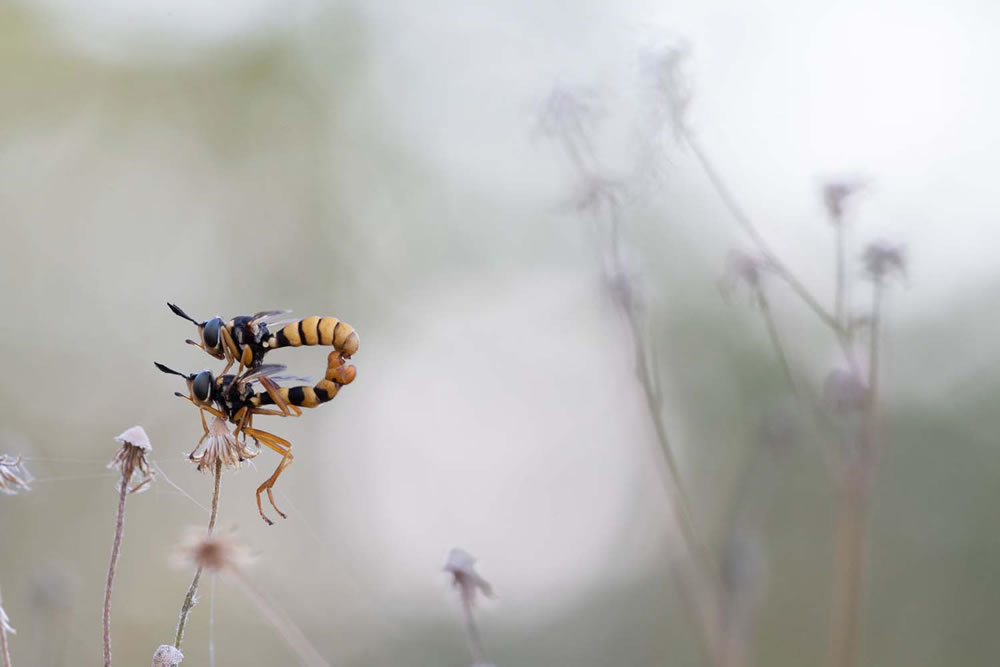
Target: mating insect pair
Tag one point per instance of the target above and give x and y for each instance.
(232, 397)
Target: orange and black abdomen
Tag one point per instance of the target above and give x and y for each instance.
(302, 396)
(318, 331)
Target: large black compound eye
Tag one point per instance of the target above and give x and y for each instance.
(212, 333)
(201, 386)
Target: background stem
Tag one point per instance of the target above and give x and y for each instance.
(115, 550)
(189, 598)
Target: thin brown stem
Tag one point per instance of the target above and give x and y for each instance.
(189, 598)
(4, 649)
(855, 500)
(113, 566)
(840, 294)
(776, 344)
(741, 217)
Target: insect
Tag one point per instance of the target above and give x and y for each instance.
(233, 398)
(247, 338)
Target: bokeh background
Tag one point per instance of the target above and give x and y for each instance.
(386, 163)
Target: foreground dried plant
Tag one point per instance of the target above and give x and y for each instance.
(4, 630)
(130, 460)
(223, 554)
(470, 584)
(14, 476)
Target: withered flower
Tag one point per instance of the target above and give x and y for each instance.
(14, 477)
(882, 258)
(744, 269)
(836, 194)
(211, 551)
(131, 458)
(461, 565)
(167, 656)
(219, 444)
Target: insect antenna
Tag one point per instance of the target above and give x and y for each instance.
(180, 313)
(170, 371)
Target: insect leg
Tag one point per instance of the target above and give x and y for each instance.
(281, 446)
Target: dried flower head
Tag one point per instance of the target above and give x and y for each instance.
(219, 444)
(167, 656)
(212, 552)
(663, 66)
(569, 115)
(131, 458)
(14, 477)
(744, 269)
(5, 622)
(882, 259)
(461, 565)
(845, 391)
(596, 194)
(836, 194)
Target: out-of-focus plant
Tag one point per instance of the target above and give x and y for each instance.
(848, 402)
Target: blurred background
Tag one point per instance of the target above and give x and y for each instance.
(395, 165)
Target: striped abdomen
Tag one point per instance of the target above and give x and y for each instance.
(304, 396)
(318, 331)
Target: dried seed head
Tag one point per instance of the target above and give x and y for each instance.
(14, 477)
(461, 565)
(570, 114)
(131, 458)
(167, 656)
(596, 194)
(219, 444)
(663, 67)
(882, 259)
(4, 621)
(744, 269)
(845, 391)
(836, 194)
(213, 552)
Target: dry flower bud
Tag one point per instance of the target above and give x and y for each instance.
(131, 458)
(461, 565)
(5, 623)
(219, 444)
(167, 656)
(663, 67)
(845, 391)
(882, 258)
(836, 194)
(569, 114)
(744, 268)
(14, 477)
(213, 552)
(596, 193)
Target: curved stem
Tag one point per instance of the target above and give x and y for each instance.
(115, 550)
(751, 229)
(189, 598)
(4, 650)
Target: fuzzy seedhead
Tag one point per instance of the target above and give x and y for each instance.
(219, 444)
(744, 269)
(14, 476)
(663, 67)
(845, 392)
(213, 552)
(836, 195)
(461, 565)
(882, 259)
(131, 458)
(167, 656)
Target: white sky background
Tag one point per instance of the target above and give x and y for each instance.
(904, 93)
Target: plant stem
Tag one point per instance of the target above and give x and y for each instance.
(4, 650)
(854, 512)
(189, 599)
(751, 229)
(113, 566)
